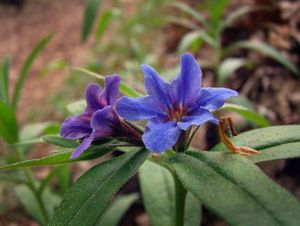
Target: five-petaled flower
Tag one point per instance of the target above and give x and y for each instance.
(172, 108)
(99, 118)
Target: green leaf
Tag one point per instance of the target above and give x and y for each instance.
(228, 67)
(193, 40)
(113, 215)
(28, 199)
(4, 80)
(266, 50)
(264, 138)
(237, 14)
(235, 189)
(190, 11)
(76, 107)
(246, 113)
(62, 157)
(192, 215)
(33, 130)
(103, 22)
(12, 178)
(123, 87)
(90, 13)
(95, 189)
(25, 69)
(215, 9)
(59, 141)
(283, 151)
(8, 123)
(157, 184)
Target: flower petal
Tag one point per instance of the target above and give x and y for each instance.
(159, 137)
(83, 146)
(111, 91)
(187, 84)
(157, 88)
(200, 118)
(137, 108)
(103, 122)
(76, 127)
(92, 94)
(214, 98)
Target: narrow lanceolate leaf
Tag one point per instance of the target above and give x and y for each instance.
(61, 157)
(59, 141)
(228, 67)
(237, 14)
(104, 20)
(235, 189)
(246, 113)
(192, 40)
(190, 11)
(4, 80)
(283, 151)
(90, 13)
(123, 87)
(8, 123)
(113, 215)
(267, 50)
(157, 186)
(264, 138)
(95, 189)
(25, 69)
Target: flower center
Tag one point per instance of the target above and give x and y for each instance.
(177, 113)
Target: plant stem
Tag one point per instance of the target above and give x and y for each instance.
(32, 186)
(180, 194)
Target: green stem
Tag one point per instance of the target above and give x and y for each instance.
(180, 194)
(32, 186)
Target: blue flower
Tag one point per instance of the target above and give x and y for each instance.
(172, 108)
(99, 118)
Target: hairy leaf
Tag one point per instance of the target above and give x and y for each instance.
(235, 189)
(95, 189)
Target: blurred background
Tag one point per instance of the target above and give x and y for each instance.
(252, 46)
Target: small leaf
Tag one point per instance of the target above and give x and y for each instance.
(28, 199)
(246, 113)
(237, 14)
(59, 141)
(228, 67)
(123, 87)
(61, 157)
(103, 22)
(157, 186)
(235, 189)
(264, 138)
(193, 40)
(113, 215)
(25, 69)
(90, 13)
(95, 189)
(33, 130)
(267, 50)
(76, 107)
(190, 11)
(4, 80)
(8, 123)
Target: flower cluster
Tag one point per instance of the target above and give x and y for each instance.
(170, 108)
